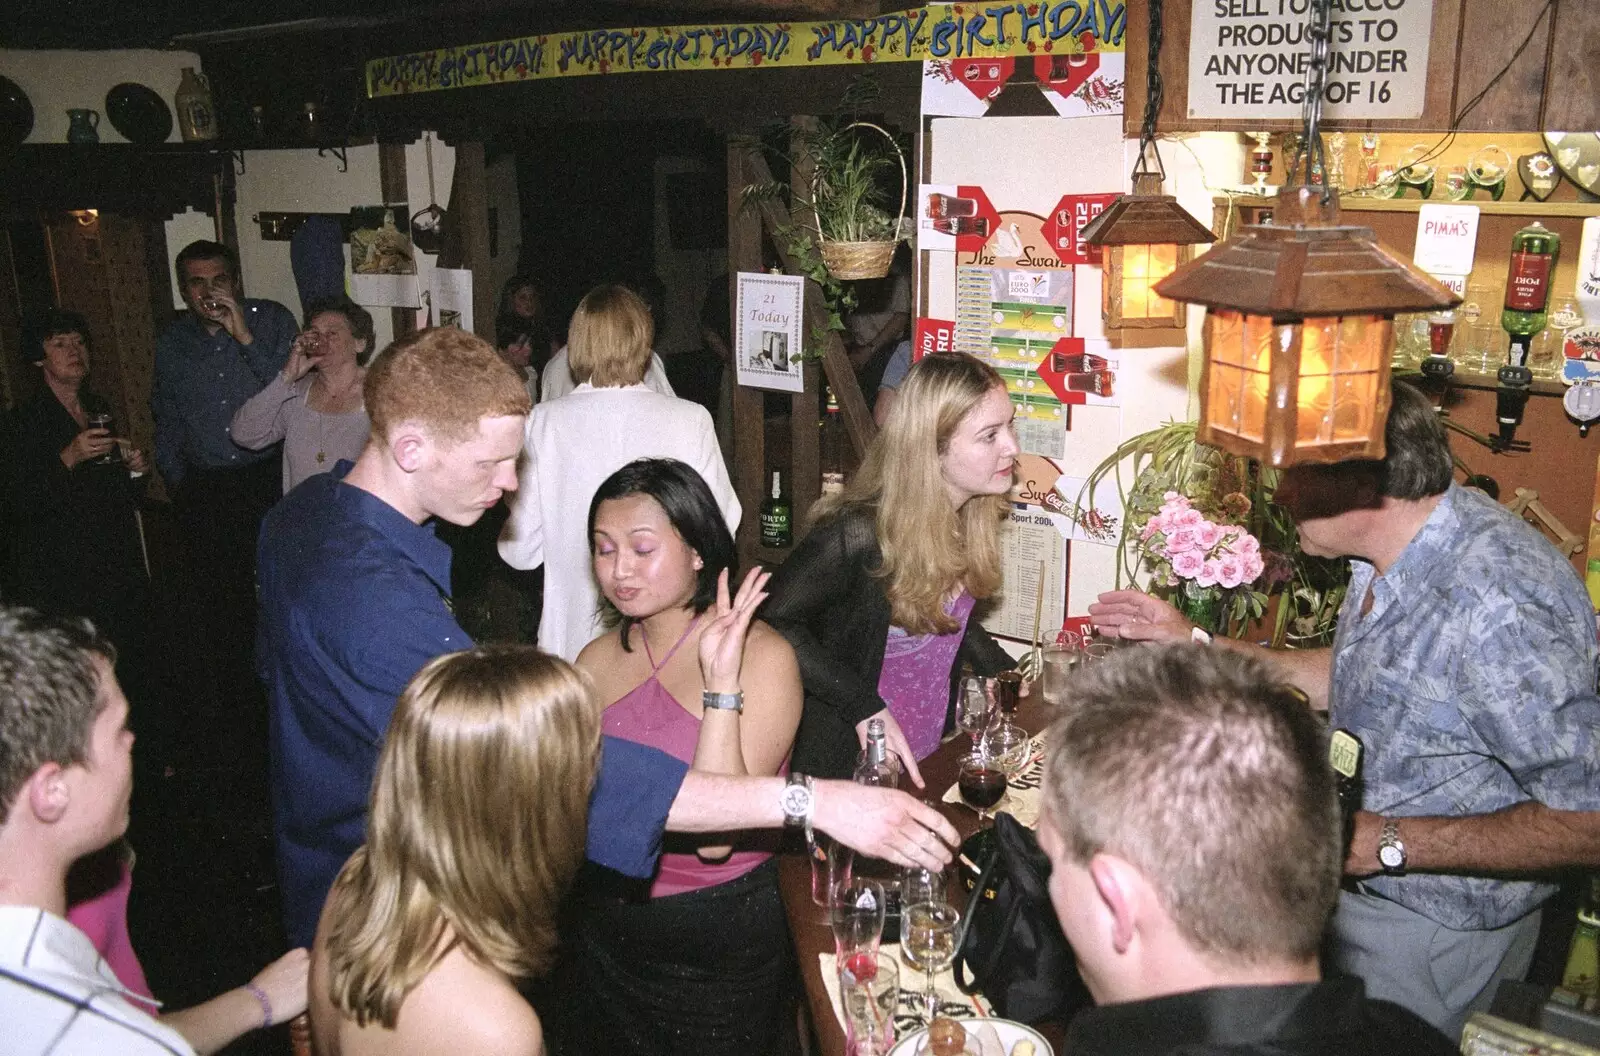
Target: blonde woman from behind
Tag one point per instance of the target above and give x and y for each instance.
(476, 829)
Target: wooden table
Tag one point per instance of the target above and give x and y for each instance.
(808, 922)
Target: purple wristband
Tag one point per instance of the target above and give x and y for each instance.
(260, 995)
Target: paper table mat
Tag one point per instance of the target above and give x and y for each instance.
(1021, 800)
(908, 1015)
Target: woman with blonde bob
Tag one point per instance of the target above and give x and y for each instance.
(576, 442)
(477, 828)
(877, 600)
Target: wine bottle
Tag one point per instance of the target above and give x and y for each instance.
(833, 442)
(877, 765)
(777, 526)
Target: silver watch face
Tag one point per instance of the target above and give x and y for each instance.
(796, 802)
(1391, 856)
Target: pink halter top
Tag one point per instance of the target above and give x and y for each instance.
(650, 715)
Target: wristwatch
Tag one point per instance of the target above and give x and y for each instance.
(799, 802)
(1391, 852)
(1199, 636)
(723, 701)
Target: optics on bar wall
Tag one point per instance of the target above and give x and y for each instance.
(1299, 332)
(1145, 235)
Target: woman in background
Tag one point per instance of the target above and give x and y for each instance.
(577, 441)
(314, 405)
(521, 331)
(647, 974)
(71, 494)
(877, 600)
(477, 824)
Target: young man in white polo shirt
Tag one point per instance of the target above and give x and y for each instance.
(66, 775)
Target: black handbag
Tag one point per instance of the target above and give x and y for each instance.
(1011, 947)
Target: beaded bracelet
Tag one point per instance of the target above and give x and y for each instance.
(266, 1006)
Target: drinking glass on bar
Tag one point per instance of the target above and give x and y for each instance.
(982, 782)
(831, 865)
(1009, 747)
(928, 942)
(856, 914)
(869, 992)
(976, 706)
(1058, 662)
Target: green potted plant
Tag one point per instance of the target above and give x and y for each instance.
(855, 226)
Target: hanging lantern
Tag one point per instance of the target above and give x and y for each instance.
(1145, 235)
(1299, 332)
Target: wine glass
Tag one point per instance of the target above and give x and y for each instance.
(929, 943)
(982, 783)
(1009, 746)
(975, 706)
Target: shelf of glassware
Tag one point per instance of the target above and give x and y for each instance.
(1350, 203)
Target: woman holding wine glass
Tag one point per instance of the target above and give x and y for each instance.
(878, 599)
(69, 495)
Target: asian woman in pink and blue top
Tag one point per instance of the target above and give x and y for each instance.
(702, 963)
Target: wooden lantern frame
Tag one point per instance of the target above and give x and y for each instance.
(1144, 218)
(1304, 268)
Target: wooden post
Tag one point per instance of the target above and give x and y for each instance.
(749, 405)
(469, 207)
(392, 189)
(805, 406)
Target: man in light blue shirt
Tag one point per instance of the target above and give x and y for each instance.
(1466, 662)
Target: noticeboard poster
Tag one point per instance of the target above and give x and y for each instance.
(767, 341)
(1248, 59)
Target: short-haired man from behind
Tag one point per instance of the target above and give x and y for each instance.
(1194, 837)
(66, 775)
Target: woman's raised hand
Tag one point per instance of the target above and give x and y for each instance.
(722, 641)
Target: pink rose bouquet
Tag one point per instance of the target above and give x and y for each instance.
(1196, 559)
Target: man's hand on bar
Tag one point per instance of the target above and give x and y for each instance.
(885, 823)
(1137, 616)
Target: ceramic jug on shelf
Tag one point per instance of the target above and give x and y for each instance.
(197, 114)
(83, 126)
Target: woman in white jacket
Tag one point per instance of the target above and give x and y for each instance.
(576, 442)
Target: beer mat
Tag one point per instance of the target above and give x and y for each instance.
(908, 1014)
(1021, 800)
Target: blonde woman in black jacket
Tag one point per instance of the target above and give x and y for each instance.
(878, 600)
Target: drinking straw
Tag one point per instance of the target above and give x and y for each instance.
(1034, 660)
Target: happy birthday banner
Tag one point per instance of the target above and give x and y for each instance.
(954, 31)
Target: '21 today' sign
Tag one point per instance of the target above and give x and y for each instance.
(1248, 58)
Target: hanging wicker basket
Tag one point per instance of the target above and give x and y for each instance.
(862, 260)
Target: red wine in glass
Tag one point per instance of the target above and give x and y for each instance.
(982, 786)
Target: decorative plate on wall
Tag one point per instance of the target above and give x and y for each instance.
(138, 113)
(16, 113)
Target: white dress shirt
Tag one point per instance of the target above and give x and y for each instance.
(58, 997)
(556, 381)
(573, 445)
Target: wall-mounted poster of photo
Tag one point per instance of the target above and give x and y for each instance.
(383, 264)
(767, 343)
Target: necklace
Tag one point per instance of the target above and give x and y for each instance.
(322, 416)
